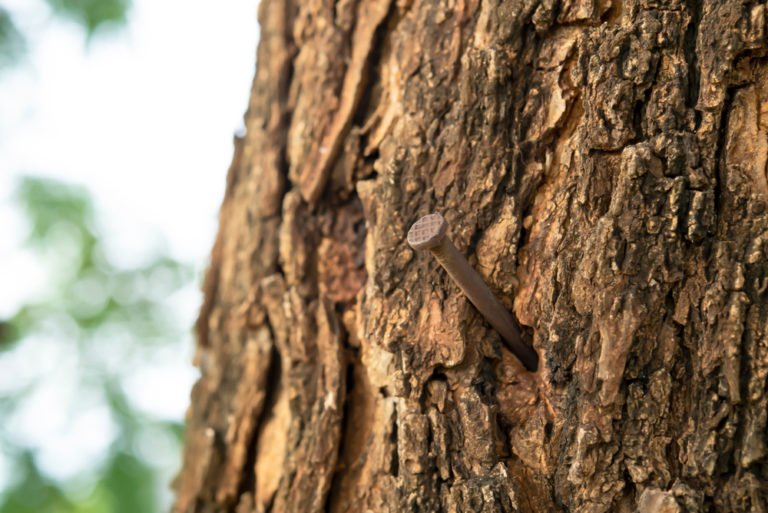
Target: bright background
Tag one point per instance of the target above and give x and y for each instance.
(141, 117)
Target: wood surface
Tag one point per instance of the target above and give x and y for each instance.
(602, 163)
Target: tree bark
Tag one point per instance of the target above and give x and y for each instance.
(603, 166)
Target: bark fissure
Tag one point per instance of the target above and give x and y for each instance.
(247, 486)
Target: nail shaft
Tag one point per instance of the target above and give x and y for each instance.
(430, 232)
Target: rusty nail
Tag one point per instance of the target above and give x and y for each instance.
(429, 232)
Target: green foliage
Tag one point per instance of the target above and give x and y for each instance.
(34, 492)
(102, 313)
(47, 202)
(12, 44)
(92, 14)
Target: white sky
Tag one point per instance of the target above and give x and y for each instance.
(144, 118)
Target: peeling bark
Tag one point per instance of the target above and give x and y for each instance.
(602, 165)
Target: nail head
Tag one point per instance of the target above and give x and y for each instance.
(427, 232)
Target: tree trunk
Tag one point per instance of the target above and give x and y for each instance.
(603, 166)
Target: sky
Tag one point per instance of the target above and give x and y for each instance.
(144, 117)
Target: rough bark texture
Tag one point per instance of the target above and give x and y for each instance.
(602, 164)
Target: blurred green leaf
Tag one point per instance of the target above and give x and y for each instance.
(8, 334)
(49, 203)
(12, 43)
(92, 14)
(131, 484)
(33, 492)
(112, 318)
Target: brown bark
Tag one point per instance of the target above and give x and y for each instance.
(603, 166)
